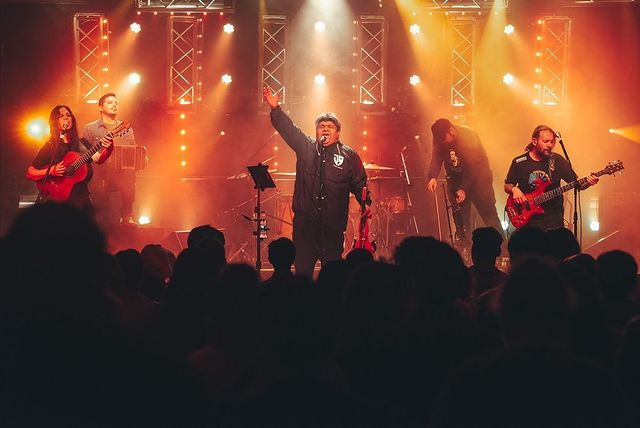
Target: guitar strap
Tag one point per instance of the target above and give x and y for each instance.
(551, 166)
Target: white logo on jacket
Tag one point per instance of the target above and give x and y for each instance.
(338, 159)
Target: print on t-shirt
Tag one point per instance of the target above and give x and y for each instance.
(538, 177)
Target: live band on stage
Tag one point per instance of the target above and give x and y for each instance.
(340, 202)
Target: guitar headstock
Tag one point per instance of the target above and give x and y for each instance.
(121, 129)
(613, 167)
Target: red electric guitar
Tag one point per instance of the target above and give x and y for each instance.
(363, 229)
(58, 189)
(520, 214)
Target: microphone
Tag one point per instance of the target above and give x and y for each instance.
(323, 139)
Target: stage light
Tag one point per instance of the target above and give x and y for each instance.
(414, 29)
(508, 78)
(320, 26)
(612, 131)
(143, 219)
(228, 28)
(414, 80)
(594, 226)
(509, 29)
(183, 116)
(538, 54)
(320, 79)
(183, 132)
(37, 128)
(183, 148)
(222, 133)
(226, 79)
(134, 78)
(135, 27)
(183, 163)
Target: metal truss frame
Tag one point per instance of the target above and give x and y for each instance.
(186, 5)
(467, 4)
(462, 89)
(91, 32)
(552, 48)
(185, 43)
(372, 34)
(273, 55)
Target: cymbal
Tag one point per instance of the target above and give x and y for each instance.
(384, 178)
(376, 167)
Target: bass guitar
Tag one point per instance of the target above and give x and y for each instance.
(363, 229)
(520, 214)
(58, 189)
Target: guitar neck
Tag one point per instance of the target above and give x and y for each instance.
(547, 196)
(87, 155)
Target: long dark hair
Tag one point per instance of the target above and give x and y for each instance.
(54, 130)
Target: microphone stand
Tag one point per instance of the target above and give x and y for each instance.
(321, 200)
(576, 189)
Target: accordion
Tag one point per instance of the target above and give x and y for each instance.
(128, 157)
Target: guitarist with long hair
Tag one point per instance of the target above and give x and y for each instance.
(541, 167)
(48, 165)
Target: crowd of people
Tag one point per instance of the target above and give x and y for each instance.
(148, 338)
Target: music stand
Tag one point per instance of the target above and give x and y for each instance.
(262, 180)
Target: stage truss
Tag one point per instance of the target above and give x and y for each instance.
(91, 31)
(370, 65)
(552, 51)
(467, 4)
(462, 87)
(185, 46)
(187, 5)
(273, 72)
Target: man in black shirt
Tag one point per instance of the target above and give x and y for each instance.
(539, 165)
(326, 172)
(469, 176)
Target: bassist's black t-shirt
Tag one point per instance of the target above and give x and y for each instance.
(528, 174)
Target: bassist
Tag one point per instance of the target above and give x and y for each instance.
(537, 166)
(64, 138)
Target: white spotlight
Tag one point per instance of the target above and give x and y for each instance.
(509, 29)
(320, 26)
(143, 219)
(228, 28)
(594, 226)
(414, 29)
(37, 128)
(320, 79)
(226, 79)
(134, 78)
(414, 80)
(135, 27)
(508, 78)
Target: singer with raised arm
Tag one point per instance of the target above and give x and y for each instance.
(62, 168)
(326, 172)
(539, 168)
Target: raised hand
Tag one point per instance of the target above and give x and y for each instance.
(271, 98)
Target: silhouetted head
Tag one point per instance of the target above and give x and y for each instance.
(563, 243)
(204, 231)
(486, 245)
(282, 253)
(618, 274)
(528, 241)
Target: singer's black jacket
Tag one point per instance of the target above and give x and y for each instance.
(343, 173)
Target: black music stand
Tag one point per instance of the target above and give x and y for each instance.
(262, 180)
